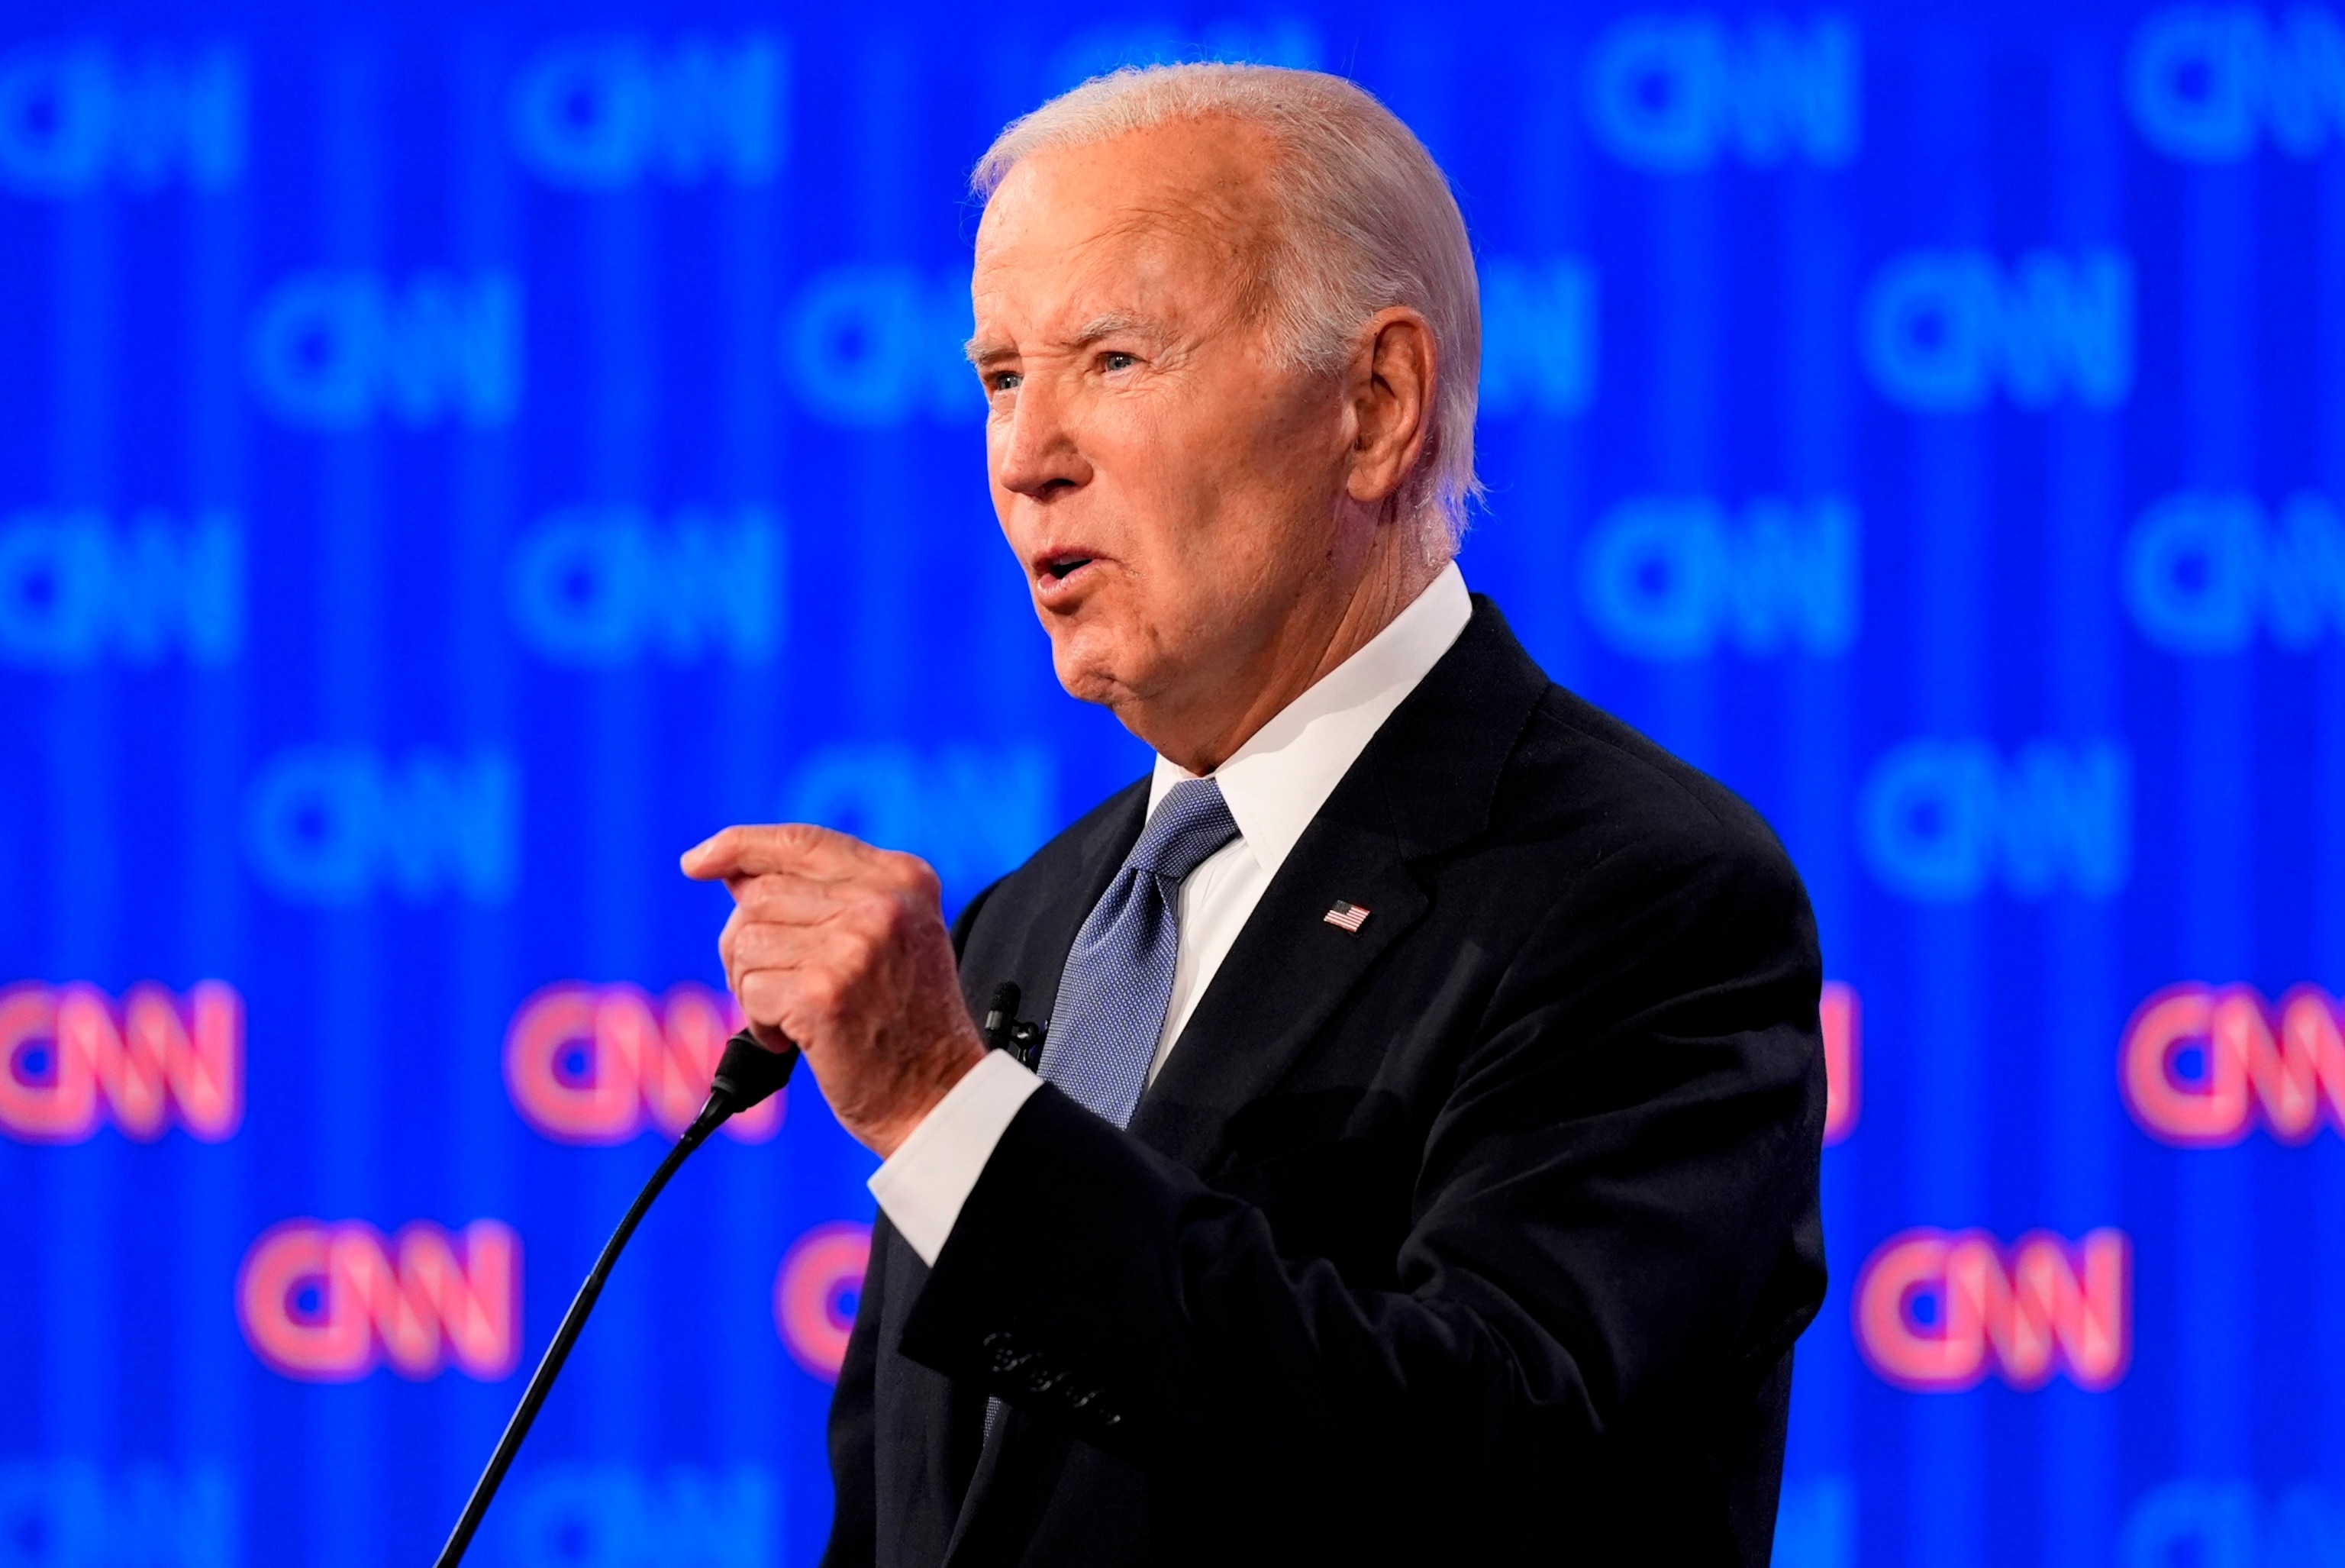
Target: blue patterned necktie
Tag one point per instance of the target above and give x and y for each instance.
(1118, 982)
(1119, 977)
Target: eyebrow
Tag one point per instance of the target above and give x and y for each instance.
(980, 350)
(1113, 323)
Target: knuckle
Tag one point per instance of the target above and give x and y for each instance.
(751, 944)
(915, 876)
(760, 991)
(798, 838)
(820, 992)
(754, 898)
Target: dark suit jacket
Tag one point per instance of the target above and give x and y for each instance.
(1478, 1236)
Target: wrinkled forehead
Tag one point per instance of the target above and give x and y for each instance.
(1175, 210)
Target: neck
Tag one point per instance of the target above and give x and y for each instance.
(1321, 630)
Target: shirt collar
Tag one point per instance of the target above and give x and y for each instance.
(1276, 782)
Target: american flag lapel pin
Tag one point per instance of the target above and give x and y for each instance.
(1347, 916)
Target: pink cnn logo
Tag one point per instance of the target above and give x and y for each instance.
(2202, 1065)
(814, 1292)
(1937, 1310)
(599, 1063)
(327, 1303)
(1843, 1022)
(70, 1058)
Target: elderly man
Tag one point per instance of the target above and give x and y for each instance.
(1422, 1163)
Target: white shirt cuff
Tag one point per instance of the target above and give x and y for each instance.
(932, 1172)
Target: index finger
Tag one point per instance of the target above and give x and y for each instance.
(799, 849)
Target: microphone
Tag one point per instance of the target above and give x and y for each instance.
(1005, 1031)
(746, 1074)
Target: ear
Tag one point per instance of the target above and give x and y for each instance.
(1392, 389)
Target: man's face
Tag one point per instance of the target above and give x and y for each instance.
(1171, 490)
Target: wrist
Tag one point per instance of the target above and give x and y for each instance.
(889, 1137)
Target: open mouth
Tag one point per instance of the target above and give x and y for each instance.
(1063, 573)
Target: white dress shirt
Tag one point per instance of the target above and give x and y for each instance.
(1275, 785)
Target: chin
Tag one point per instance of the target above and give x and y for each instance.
(1091, 666)
(1088, 682)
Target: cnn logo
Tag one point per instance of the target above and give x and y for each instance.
(1937, 1310)
(2201, 1065)
(1843, 1020)
(815, 1294)
(599, 1063)
(328, 1302)
(70, 1059)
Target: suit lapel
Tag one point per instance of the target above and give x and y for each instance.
(1284, 976)
(1422, 786)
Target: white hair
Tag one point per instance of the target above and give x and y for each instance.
(1366, 221)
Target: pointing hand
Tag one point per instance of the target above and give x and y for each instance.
(842, 949)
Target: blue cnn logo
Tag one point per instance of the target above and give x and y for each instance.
(2202, 572)
(1676, 93)
(602, 588)
(77, 116)
(1943, 331)
(77, 589)
(1670, 577)
(2226, 1524)
(1940, 820)
(330, 825)
(876, 346)
(971, 813)
(337, 351)
(65, 1514)
(1538, 336)
(607, 113)
(618, 1516)
(2206, 83)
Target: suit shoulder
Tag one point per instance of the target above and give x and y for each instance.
(1580, 771)
(1602, 831)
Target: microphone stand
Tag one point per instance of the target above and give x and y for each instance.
(746, 1075)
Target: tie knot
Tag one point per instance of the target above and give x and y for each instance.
(1189, 824)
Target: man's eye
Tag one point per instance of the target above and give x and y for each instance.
(1115, 360)
(1004, 381)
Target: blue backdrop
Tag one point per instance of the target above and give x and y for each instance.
(450, 461)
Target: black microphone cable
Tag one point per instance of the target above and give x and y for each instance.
(746, 1075)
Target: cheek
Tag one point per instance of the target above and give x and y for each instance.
(1251, 469)
(997, 442)
(1215, 493)
(1180, 502)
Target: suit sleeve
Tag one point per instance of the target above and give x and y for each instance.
(1613, 1228)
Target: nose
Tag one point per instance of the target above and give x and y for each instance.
(1036, 453)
